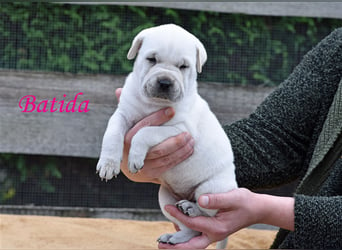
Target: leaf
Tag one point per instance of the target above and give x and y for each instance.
(47, 186)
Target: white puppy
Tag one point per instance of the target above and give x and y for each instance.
(164, 75)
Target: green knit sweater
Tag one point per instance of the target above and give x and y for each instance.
(297, 133)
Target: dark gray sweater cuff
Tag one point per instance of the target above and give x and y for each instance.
(318, 220)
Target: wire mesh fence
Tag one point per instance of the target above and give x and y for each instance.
(242, 49)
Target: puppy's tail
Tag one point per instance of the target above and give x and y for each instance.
(222, 244)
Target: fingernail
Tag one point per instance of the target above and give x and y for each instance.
(204, 201)
(169, 112)
(192, 142)
(168, 208)
(187, 136)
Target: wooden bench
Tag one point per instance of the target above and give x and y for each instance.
(80, 134)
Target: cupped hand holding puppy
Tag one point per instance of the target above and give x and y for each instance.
(160, 157)
(238, 209)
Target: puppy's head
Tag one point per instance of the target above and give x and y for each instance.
(168, 60)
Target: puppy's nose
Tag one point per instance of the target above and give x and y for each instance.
(165, 83)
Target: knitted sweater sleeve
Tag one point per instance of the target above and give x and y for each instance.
(274, 145)
(318, 218)
(317, 222)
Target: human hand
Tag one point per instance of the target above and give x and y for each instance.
(162, 156)
(234, 214)
(238, 208)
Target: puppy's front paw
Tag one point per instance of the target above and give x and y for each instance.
(107, 168)
(138, 151)
(135, 162)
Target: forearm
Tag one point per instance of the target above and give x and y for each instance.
(274, 210)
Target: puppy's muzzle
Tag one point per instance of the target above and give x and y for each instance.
(165, 88)
(165, 84)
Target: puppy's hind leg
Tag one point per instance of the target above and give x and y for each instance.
(185, 234)
(223, 182)
(189, 208)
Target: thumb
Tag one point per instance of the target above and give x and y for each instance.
(219, 200)
(118, 93)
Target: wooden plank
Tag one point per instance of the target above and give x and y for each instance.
(308, 9)
(80, 134)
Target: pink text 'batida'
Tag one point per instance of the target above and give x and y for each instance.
(28, 104)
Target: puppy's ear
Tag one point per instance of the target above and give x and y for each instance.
(136, 45)
(137, 42)
(201, 56)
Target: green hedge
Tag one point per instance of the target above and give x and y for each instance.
(242, 49)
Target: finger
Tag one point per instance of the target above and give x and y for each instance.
(177, 157)
(155, 119)
(221, 200)
(118, 93)
(169, 146)
(158, 166)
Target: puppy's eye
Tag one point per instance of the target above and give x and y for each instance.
(151, 60)
(183, 66)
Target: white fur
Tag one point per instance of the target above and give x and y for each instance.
(178, 57)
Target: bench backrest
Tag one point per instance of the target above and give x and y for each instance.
(52, 132)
